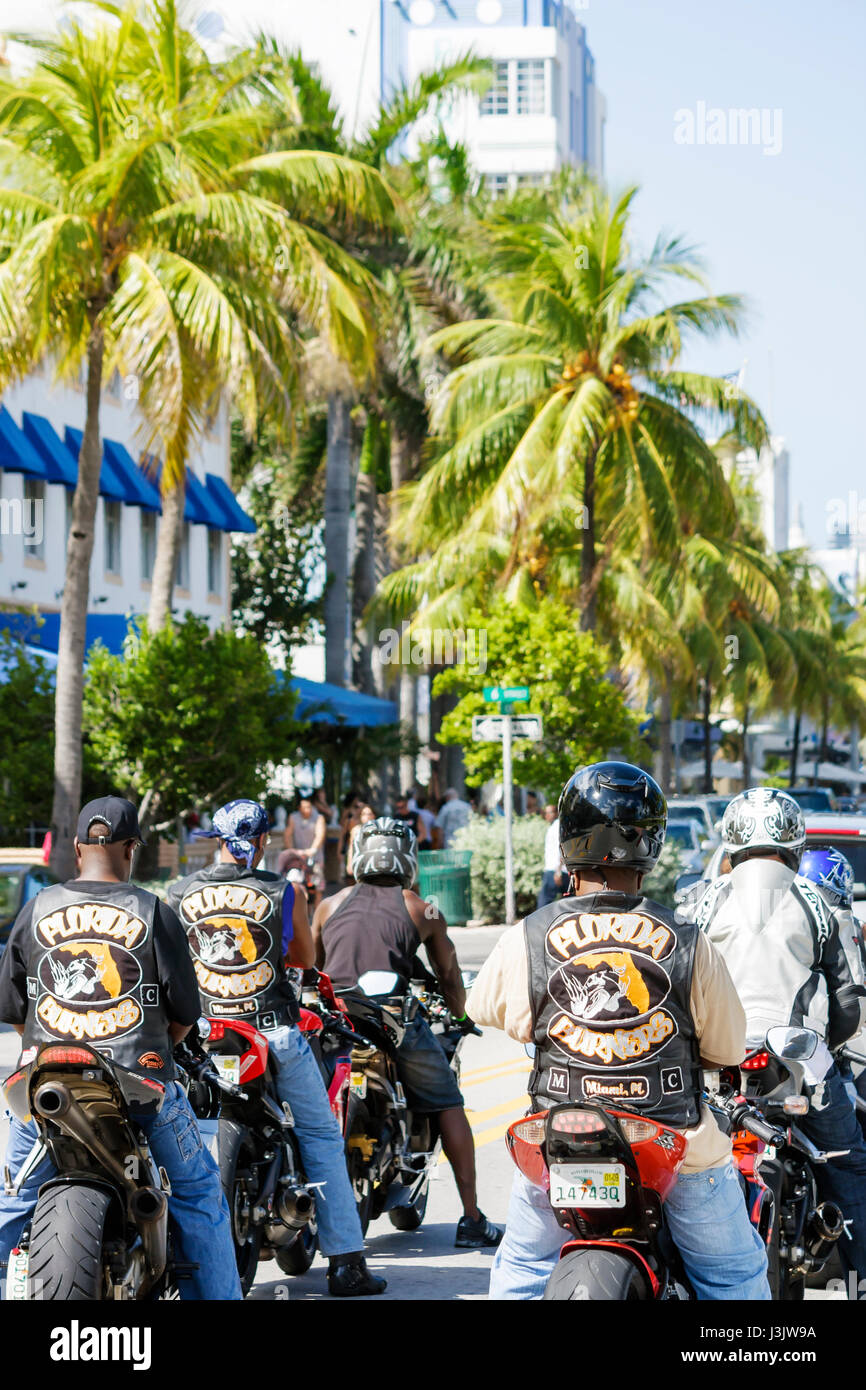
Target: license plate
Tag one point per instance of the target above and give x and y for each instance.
(358, 1084)
(16, 1274)
(587, 1185)
(229, 1068)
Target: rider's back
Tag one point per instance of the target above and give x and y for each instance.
(370, 930)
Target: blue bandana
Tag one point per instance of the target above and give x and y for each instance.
(236, 823)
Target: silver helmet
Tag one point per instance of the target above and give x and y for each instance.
(764, 819)
(385, 848)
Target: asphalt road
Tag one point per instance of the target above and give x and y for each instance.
(423, 1265)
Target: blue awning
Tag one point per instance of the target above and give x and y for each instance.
(111, 483)
(59, 463)
(141, 490)
(17, 454)
(322, 703)
(200, 502)
(226, 504)
(43, 630)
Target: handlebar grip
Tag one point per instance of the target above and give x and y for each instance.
(768, 1134)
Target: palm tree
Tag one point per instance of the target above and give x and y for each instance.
(570, 399)
(140, 227)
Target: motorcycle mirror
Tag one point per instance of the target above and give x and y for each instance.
(203, 1026)
(529, 1049)
(792, 1044)
(374, 982)
(684, 883)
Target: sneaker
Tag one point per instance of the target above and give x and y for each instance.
(477, 1235)
(349, 1277)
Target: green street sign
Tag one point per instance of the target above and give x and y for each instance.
(506, 692)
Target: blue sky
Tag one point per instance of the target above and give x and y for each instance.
(787, 230)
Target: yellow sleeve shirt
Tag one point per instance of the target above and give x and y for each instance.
(500, 999)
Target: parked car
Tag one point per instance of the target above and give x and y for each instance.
(685, 833)
(683, 807)
(814, 798)
(22, 874)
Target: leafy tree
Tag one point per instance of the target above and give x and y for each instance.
(187, 718)
(146, 225)
(585, 714)
(26, 737)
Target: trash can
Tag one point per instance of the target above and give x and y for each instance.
(444, 878)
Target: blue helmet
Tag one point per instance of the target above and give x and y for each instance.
(832, 873)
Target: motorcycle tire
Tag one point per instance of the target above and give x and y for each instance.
(67, 1239)
(236, 1154)
(596, 1276)
(362, 1186)
(410, 1218)
(296, 1258)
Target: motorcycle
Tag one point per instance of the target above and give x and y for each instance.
(608, 1170)
(271, 1203)
(804, 1231)
(100, 1228)
(390, 1151)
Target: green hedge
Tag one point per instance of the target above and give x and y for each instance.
(486, 839)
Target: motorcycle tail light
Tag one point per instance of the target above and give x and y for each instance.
(216, 1030)
(67, 1056)
(759, 1061)
(577, 1122)
(530, 1131)
(796, 1105)
(638, 1131)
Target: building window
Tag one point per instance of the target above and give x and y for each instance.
(148, 544)
(496, 184)
(495, 101)
(113, 523)
(214, 562)
(182, 576)
(531, 97)
(34, 518)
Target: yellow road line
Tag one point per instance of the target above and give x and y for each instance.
(486, 1136)
(497, 1066)
(490, 1134)
(510, 1069)
(476, 1116)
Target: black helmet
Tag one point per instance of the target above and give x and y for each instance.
(385, 848)
(611, 813)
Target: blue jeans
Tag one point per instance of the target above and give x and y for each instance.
(723, 1254)
(299, 1082)
(197, 1209)
(550, 891)
(832, 1124)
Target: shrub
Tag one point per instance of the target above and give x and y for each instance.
(659, 885)
(486, 839)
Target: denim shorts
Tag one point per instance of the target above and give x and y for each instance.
(425, 1075)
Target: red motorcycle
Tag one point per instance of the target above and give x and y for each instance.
(271, 1203)
(607, 1173)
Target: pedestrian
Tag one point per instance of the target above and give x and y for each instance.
(453, 815)
(421, 803)
(533, 804)
(365, 815)
(403, 812)
(305, 835)
(554, 878)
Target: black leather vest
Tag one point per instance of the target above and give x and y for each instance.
(610, 983)
(234, 925)
(92, 976)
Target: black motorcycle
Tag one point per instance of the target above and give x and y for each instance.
(803, 1231)
(390, 1151)
(100, 1228)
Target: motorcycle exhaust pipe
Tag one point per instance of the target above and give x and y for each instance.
(295, 1206)
(55, 1102)
(825, 1226)
(147, 1212)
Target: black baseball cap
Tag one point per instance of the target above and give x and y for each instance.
(114, 811)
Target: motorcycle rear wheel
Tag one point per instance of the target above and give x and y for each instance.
(67, 1240)
(236, 1154)
(596, 1276)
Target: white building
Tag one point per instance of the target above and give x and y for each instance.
(40, 430)
(543, 111)
(769, 473)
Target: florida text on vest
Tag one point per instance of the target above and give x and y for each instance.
(610, 999)
(91, 919)
(225, 897)
(77, 1343)
(228, 942)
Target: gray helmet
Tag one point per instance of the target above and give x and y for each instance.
(385, 848)
(764, 819)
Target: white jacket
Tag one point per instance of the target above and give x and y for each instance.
(784, 950)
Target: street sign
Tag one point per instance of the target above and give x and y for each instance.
(490, 728)
(506, 692)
